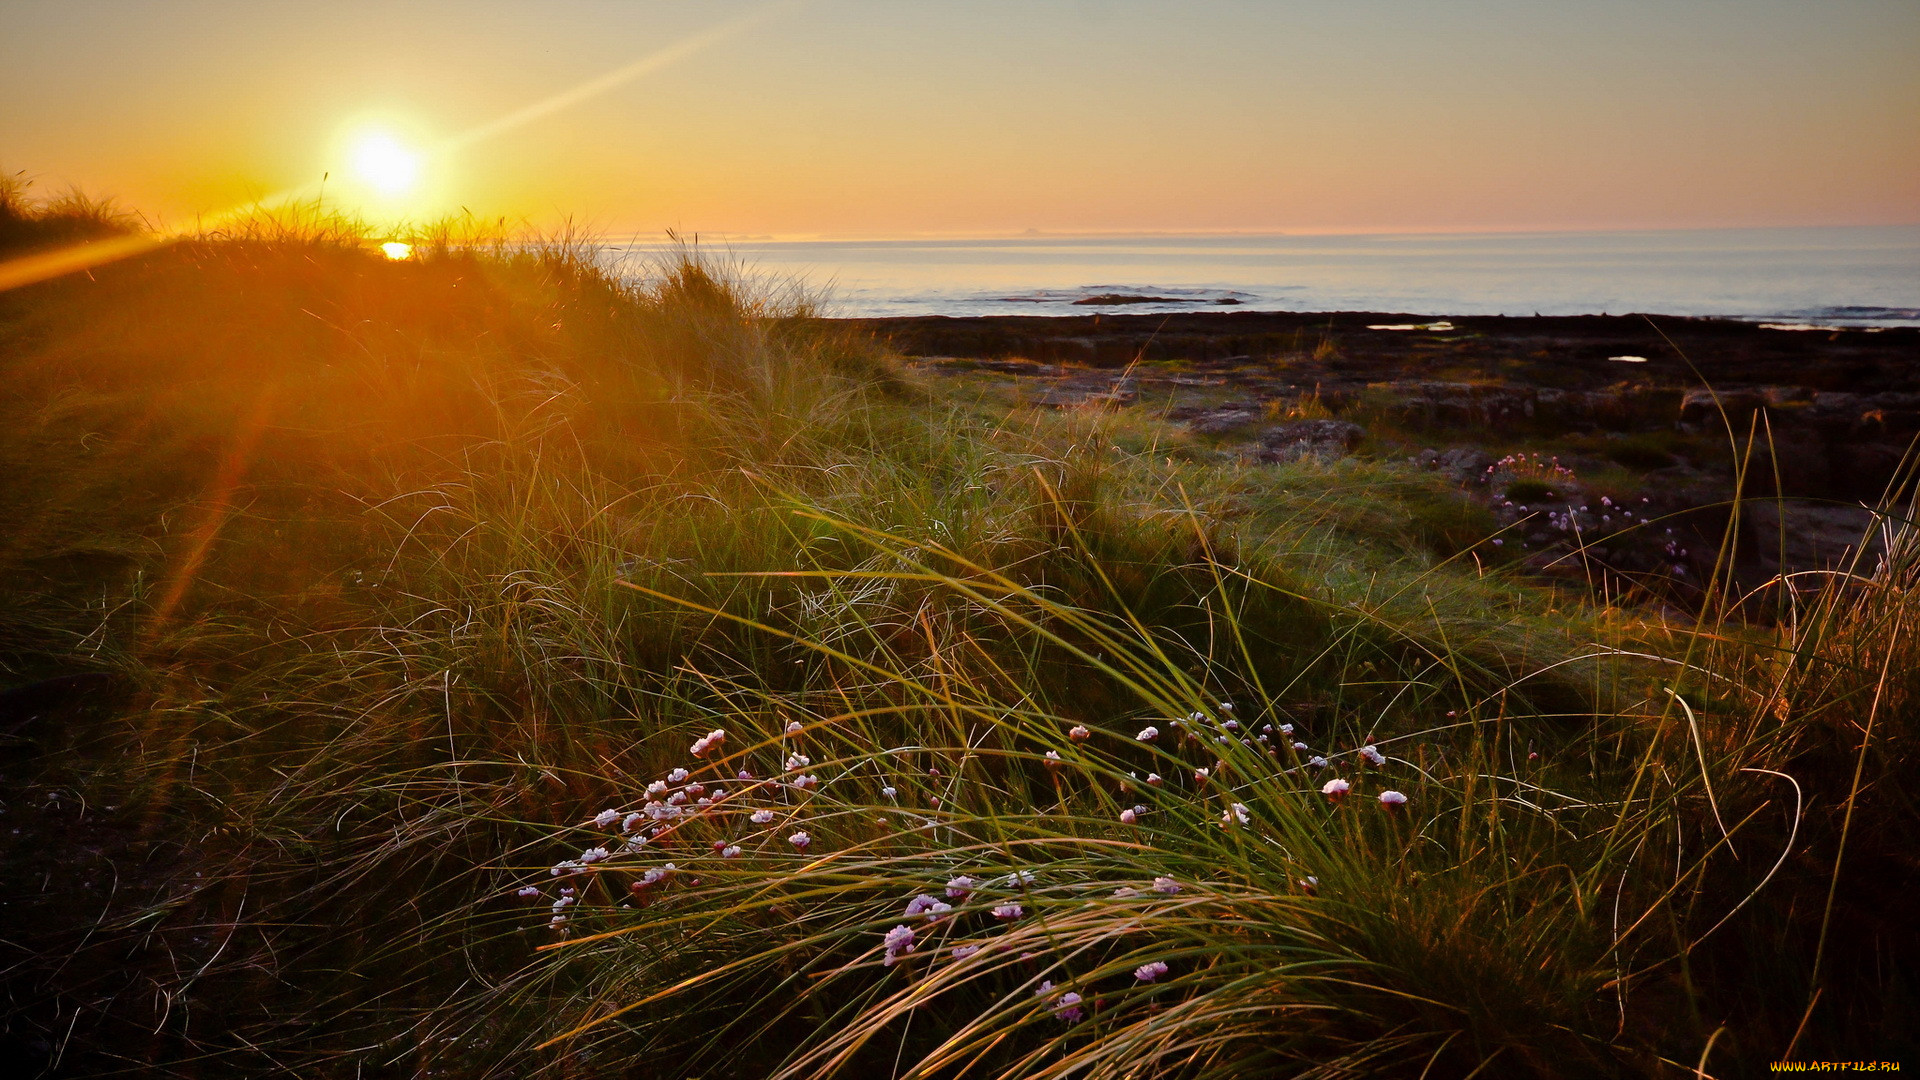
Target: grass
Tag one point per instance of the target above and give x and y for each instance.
(403, 572)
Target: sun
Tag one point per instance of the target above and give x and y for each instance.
(385, 163)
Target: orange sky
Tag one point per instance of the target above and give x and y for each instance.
(891, 117)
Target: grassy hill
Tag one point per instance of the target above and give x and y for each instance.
(368, 622)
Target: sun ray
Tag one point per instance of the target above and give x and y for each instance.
(389, 167)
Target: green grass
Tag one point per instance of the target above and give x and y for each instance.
(408, 570)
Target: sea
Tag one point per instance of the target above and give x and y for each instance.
(1813, 278)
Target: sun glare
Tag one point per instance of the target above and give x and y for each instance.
(385, 164)
(394, 249)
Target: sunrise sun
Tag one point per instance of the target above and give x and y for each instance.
(385, 164)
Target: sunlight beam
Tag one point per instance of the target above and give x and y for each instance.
(46, 265)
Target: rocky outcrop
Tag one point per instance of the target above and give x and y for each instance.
(1325, 439)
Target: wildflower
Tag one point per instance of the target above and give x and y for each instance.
(563, 904)
(1148, 734)
(1165, 885)
(632, 821)
(899, 941)
(1153, 779)
(933, 770)
(567, 867)
(1317, 761)
(1128, 817)
(1231, 725)
(1200, 775)
(806, 782)
(1238, 812)
(678, 798)
(1336, 789)
(959, 888)
(594, 854)
(800, 840)
(1078, 733)
(1226, 706)
(658, 787)
(1300, 748)
(1392, 799)
(528, 893)
(1150, 972)
(635, 843)
(731, 851)
(1310, 884)
(605, 819)
(1533, 755)
(710, 741)
(920, 905)
(1053, 757)
(744, 774)
(558, 922)
(676, 776)
(889, 792)
(1125, 891)
(1372, 755)
(961, 952)
(1008, 912)
(1068, 1008)
(798, 761)
(761, 817)
(794, 728)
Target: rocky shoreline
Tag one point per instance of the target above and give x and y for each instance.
(1606, 446)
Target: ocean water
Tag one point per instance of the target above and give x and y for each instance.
(1816, 277)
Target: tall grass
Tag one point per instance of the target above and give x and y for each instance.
(414, 568)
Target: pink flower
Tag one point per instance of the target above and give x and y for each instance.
(1165, 885)
(605, 819)
(1078, 733)
(1068, 1008)
(959, 888)
(898, 941)
(1150, 972)
(1238, 812)
(731, 851)
(761, 817)
(794, 728)
(1372, 755)
(1336, 789)
(1008, 912)
(1148, 734)
(1392, 799)
(528, 893)
(1153, 779)
(800, 840)
(1128, 817)
(1200, 775)
(708, 742)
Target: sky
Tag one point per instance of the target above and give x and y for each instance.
(869, 118)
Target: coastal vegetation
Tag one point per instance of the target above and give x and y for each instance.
(481, 663)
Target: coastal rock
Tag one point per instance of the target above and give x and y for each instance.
(1326, 439)
(1224, 419)
(1465, 464)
